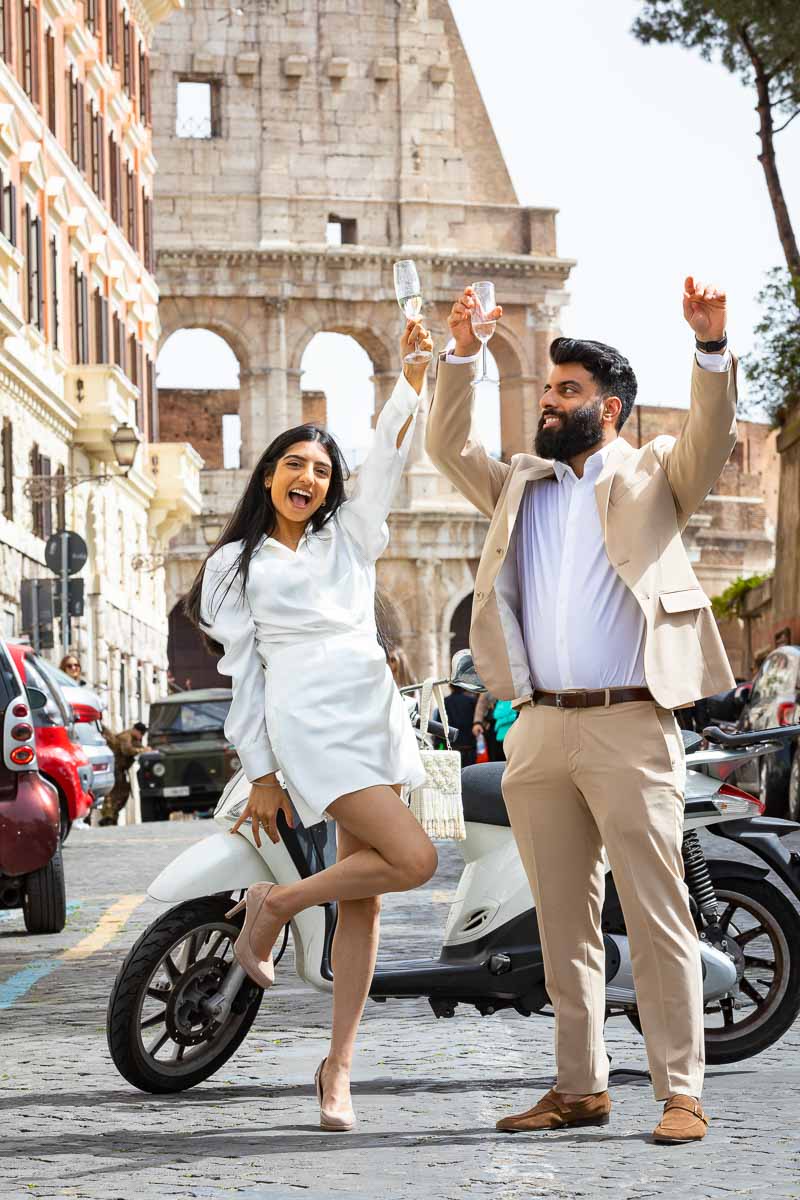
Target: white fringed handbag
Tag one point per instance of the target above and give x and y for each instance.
(437, 802)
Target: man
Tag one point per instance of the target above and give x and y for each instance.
(588, 615)
(126, 745)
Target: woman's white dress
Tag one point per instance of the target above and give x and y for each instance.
(313, 695)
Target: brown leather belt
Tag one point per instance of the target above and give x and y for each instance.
(599, 699)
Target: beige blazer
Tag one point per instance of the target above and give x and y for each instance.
(645, 498)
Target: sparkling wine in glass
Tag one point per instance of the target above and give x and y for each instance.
(408, 290)
(483, 328)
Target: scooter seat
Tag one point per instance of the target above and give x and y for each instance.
(482, 796)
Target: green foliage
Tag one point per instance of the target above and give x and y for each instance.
(773, 368)
(732, 31)
(729, 604)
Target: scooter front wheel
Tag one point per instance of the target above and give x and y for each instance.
(161, 1034)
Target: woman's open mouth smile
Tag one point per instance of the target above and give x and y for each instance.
(300, 498)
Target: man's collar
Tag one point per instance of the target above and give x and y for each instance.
(593, 466)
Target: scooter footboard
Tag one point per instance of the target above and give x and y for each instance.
(219, 863)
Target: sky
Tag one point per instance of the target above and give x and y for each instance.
(649, 154)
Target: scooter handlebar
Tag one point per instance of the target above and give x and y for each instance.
(752, 738)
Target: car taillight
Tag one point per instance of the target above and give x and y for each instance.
(786, 711)
(735, 803)
(20, 710)
(21, 756)
(21, 733)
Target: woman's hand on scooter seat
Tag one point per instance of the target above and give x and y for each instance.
(267, 799)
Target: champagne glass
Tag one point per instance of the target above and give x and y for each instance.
(408, 290)
(483, 328)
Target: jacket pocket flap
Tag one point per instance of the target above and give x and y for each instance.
(684, 600)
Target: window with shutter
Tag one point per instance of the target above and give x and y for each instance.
(90, 10)
(101, 328)
(55, 316)
(61, 507)
(47, 503)
(152, 399)
(98, 165)
(80, 117)
(51, 79)
(37, 521)
(33, 268)
(8, 469)
(5, 29)
(80, 300)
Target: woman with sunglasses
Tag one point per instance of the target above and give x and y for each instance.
(289, 593)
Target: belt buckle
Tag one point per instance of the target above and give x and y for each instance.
(561, 700)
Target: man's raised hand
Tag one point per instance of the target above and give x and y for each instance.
(460, 324)
(705, 309)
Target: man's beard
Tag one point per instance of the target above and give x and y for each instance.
(573, 435)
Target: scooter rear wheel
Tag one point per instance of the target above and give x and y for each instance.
(160, 1038)
(765, 927)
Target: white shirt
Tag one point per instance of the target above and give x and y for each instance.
(582, 626)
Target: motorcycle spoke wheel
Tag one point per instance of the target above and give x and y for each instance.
(765, 927)
(161, 1033)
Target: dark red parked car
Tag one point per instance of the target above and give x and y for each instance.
(62, 761)
(31, 871)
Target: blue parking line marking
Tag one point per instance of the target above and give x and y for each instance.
(11, 914)
(22, 981)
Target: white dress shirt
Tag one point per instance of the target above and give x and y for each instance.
(582, 626)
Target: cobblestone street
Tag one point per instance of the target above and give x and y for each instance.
(427, 1092)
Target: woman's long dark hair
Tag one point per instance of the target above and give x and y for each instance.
(254, 515)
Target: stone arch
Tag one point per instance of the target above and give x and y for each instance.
(243, 336)
(191, 663)
(211, 411)
(456, 612)
(514, 375)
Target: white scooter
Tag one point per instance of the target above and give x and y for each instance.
(181, 1005)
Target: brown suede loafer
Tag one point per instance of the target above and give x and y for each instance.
(554, 1113)
(683, 1121)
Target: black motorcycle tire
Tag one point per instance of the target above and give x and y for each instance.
(783, 1014)
(132, 980)
(44, 902)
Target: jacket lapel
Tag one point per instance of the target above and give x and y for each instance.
(617, 454)
(530, 469)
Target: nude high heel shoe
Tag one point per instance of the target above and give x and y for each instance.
(328, 1120)
(261, 971)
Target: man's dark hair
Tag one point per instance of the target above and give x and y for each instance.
(141, 727)
(612, 373)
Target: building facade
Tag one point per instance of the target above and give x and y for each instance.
(79, 331)
(334, 137)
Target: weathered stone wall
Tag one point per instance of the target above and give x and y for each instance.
(197, 414)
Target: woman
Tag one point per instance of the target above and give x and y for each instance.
(289, 592)
(71, 665)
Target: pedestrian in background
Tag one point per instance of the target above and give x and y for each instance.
(71, 665)
(460, 709)
(483, 722)
(125, 746)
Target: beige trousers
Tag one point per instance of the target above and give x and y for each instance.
(578, 780)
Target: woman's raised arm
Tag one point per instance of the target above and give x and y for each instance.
(364, 515)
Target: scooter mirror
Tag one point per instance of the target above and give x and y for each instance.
(36, 698)
(463, 673)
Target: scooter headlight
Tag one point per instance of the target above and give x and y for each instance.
(733, 802)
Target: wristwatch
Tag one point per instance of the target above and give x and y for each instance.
(711, 347)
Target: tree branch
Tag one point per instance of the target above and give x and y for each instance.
(781, 128)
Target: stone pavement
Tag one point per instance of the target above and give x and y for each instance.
(427, 1092)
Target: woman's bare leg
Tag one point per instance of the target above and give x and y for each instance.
(355, 948)
(398, 855)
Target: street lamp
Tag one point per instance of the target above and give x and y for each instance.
(125, 442)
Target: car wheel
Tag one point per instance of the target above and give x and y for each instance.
(64, 825)
(793, 802)
(152, 809)
(44, 904)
